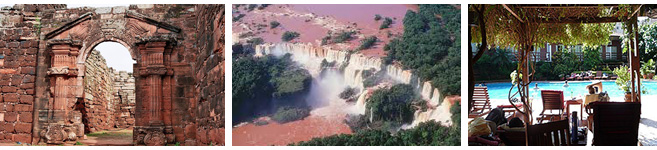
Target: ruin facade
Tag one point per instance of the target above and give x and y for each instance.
(178, 77)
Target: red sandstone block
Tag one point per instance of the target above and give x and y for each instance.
(190, 131)
(28, 70)
(16, 79)
(217, 136)
(25, 117)
(9, 107)
(8, 71)
(8, 127)
(4, 82)
(27, 86)
(23, 128)
(11, 116)
(13, 44)
(27, 99)
(28, 79)
(9, 89)
(10, 97)
(202, 136)
(29, 91)
(23, 138)
(31, 51)
(23, 108)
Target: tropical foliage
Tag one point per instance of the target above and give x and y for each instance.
(429, 133)
(289, 35)
(431, 46)
(277, 81)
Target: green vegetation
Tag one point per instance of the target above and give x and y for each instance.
(259, 83)
(238, 17)
(343, 36)
(288, 114)
(347, 93)
(391, 105)
(288, 36)
(367, 42)
(274, 24)
(78, 143)
(377, 17)
(386, 23)
(429, 133)
(372, 79)
(455, 110)
(255, 41)
(431, 46)
(647, 41)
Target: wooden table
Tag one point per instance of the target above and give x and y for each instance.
(575, 102)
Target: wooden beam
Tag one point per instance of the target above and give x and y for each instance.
(541, 6)
(578, 20)
(513, 13)
(635, 12)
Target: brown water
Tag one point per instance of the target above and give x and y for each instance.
(291, 132)
(313, 21)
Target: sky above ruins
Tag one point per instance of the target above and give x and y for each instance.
(116, 55)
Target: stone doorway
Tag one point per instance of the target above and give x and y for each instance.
(150, 43)
(108, 102)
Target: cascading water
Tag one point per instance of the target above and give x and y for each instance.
(329, 84)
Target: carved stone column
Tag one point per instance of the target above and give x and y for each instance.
(63, 123)
(154, 89)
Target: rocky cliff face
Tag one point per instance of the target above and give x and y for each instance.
(311, 56)
(97, 108)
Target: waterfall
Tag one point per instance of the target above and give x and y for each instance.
(310, 57)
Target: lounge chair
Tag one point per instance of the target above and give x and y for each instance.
(552, 100)
(615, 123)
(554, 133)
(598, 75)
(510, 111)
(480, 102)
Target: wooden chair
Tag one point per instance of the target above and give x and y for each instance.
(552, 100)
(556, 133)
(615, 123)
(512, 138)
(480, 102)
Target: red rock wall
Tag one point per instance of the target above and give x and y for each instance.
(18, 48)
(209, 68)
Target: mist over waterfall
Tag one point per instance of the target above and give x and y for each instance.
(347, 71)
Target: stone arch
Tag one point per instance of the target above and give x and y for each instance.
(149, 42)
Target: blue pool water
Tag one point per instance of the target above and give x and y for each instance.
(501, 90)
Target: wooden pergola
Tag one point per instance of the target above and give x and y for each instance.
(529, 15)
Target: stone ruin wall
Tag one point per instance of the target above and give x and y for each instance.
(19, 44)
(210, 74)
(197, 110)
(124, 98)
(97, 106)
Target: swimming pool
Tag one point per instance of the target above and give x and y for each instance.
(578, 88)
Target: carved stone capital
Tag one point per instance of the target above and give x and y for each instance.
(58, 70)
(146, 71)
(63, 71)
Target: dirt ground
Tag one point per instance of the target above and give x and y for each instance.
(121, 137)
(116, 137)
